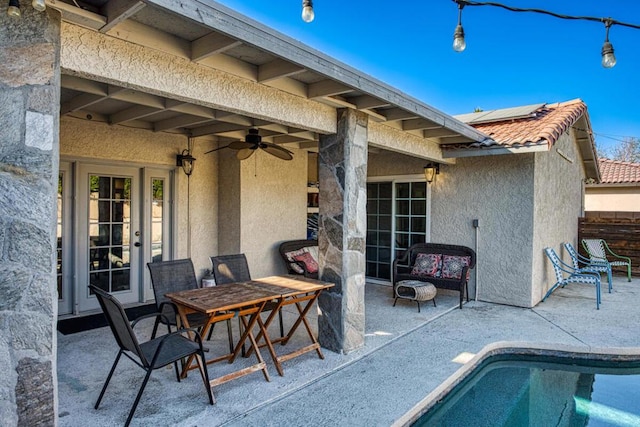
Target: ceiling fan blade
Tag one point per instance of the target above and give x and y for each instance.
(241, 145)
(216, 149)
(276, 150)
(245, 153)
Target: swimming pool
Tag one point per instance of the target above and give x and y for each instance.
(540, 388)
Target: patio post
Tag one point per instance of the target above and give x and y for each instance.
(29, 153)
(342, 232)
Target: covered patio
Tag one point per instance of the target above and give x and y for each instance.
(406, 356)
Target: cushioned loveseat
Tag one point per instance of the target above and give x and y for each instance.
(445, 266)
(300, 257)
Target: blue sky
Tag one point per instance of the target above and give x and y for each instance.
(511, 58)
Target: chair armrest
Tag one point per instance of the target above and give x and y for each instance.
(146, 316)
(614, 254)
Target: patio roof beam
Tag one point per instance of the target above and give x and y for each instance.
(83, 85)
(394, 114)
(190, 109)
(133, 113)
(135, 97)
(277, 69)
(118, 11)
(78, 16)
(182, 121)
(80, 102)
(366, 102)
(438, 132)
(327, 88)
(211, 44)
(419, 124)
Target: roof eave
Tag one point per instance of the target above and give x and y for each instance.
(226, 21)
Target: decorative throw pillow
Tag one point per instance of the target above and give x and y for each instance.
(310, 264)
(426, 265)
(452, 266)
(290, 257)
(313, 250)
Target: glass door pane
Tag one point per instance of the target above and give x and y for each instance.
(109, 232)
(379, 216)
(411, 215)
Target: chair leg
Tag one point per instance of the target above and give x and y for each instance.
(281, 323)
(394, 301)
(418, 306)
(434, 301)
(207, 383)
(106, 383)
(230, 335)
(135, 403)
(629, 272)
(210, 332)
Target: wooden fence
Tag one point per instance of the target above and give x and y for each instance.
(621, 231)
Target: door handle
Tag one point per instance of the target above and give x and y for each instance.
(137, 244)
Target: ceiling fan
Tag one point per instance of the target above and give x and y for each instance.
(251, 143)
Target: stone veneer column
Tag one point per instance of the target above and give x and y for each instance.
(29, 155)
(342, 232)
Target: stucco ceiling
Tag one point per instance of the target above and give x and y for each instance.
(242, 47)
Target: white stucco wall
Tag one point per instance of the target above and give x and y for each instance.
(117, 145)
(498, 191)
(612, 198)
(558, 193)
(270, 208)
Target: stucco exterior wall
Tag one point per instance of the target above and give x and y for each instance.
(612, 198)
(498, 191)
(270, 208)
(118, 145)
(389, 163)
(558, 195)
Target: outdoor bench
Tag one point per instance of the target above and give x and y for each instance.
(445, 266)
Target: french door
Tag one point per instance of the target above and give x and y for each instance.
(112, 220)
(109, 242)
(397, 217)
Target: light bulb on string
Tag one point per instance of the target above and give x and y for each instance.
(14, 9)
(39, 5)
(608, 58)
(459, 43)
(307, 11)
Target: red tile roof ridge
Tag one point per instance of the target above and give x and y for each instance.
(618, 171)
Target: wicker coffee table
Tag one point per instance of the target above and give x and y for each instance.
(415, 290)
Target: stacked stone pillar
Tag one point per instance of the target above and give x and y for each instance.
(342, 232)
(29, 155)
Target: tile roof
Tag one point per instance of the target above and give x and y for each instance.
(540, 127)
(616, 172)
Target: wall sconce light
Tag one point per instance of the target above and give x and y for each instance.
(186, 160)
(430, 171)
(307, 11)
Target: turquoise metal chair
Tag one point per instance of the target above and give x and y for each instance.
(560, 268)
(588, 265)
(599, 251)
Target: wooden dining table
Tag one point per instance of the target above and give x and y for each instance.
(247, 301)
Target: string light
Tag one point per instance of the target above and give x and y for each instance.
(307, 11)
(608, 58)
(14, 7)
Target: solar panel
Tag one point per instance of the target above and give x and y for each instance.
(499, 115)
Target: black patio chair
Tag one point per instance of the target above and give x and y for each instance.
(175, 276)
(153, 354)
(234, 268)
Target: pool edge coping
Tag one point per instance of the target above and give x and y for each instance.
(514, 348)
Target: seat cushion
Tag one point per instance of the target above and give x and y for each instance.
(452, 266)
(291, 258)
(426, 265)
(310, 264)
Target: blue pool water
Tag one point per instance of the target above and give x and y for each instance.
(542, 392)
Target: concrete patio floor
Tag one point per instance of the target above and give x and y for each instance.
(406, 356)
